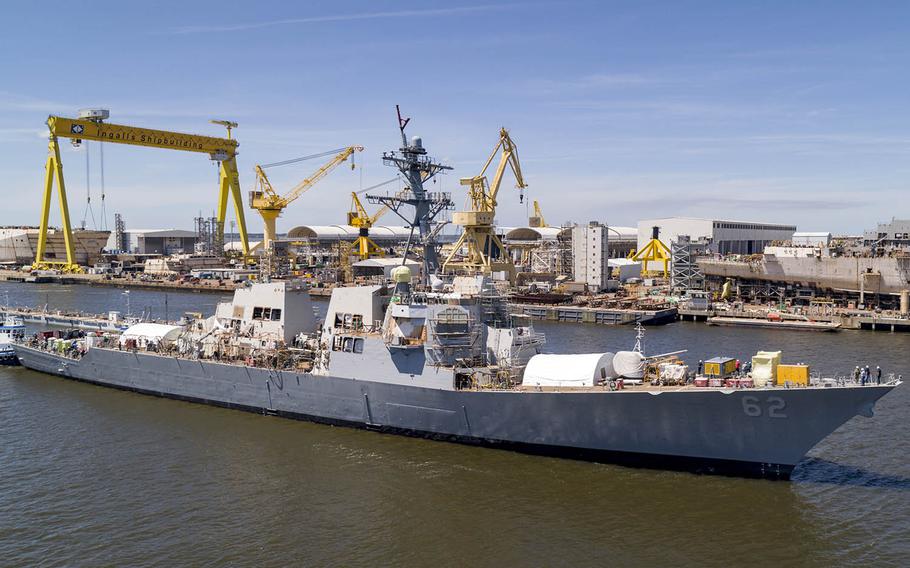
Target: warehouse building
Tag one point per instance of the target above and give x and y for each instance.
(154, 241)
(727, 237)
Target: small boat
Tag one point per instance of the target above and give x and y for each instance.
(775, 323)
(12, 329)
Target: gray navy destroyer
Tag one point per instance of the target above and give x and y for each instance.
(448, 361)
(454, 365)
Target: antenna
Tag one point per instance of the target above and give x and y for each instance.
(402, 122)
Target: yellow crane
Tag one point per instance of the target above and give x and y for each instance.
(91, 126)
(485, 251)
(537, 220)
(654, 251)
(364, 247)
(269, 204)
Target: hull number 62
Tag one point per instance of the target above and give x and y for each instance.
(772, 407)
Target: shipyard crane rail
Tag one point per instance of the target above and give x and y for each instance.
(485, 251)
(91, 126)
(270, 204)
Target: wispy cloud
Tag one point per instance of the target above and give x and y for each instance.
(17, 102)
(340, 18)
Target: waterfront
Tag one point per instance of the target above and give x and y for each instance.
(96, 476)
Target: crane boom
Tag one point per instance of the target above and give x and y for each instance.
(485, 252)
(537, 219)
(269, 204)
(82, 129)
(307, 183)
(482, 195)
(92, 127)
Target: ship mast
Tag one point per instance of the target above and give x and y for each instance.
(417, 167)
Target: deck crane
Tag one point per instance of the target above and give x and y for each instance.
(269, 204)
(91, 126)
(364, 247)
(536, 220)
(485, 252)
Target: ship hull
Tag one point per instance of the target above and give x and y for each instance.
(753, 432)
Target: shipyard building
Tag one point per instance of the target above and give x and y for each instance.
(727, 237)
(153, 241)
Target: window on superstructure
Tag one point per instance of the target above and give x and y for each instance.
(257, 313)
(266, 313)
(358, 345)
(357, 321)
(276, 314)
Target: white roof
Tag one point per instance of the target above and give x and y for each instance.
(385, 262)
(346, 232)
(237, 245)
(161, 232)
(154, 332)
(530, 233)
(811, 234)
(630, 233)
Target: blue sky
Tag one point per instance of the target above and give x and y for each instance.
(772, 111)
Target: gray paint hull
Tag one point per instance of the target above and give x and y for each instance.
(752, 432)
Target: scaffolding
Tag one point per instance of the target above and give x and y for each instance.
(685, 273)
(209, 236)
(120, 243)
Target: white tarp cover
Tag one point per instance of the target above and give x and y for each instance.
(147, 333)
(629, 364)
(578, 370)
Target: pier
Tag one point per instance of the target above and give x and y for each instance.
(865, 321)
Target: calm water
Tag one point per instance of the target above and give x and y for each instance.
(92, 476)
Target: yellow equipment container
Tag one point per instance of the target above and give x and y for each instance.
(720, 367)
(793, 374)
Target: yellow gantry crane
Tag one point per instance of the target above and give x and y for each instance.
(654, 251)
(270, 205)
(91, 126)
(485, 251)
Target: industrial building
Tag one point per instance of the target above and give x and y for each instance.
(154, 241)
(331, 234)
(727, 237)
(590, 255)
